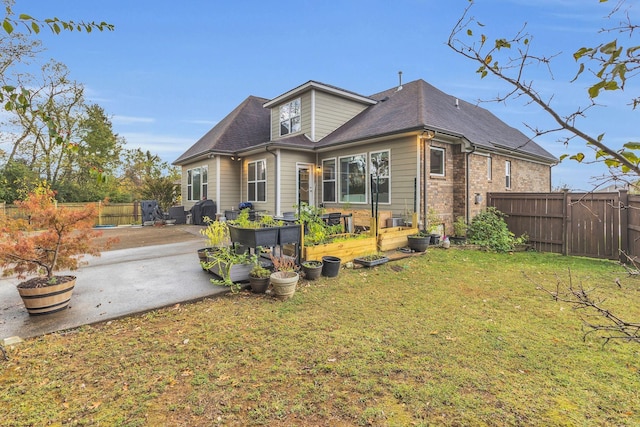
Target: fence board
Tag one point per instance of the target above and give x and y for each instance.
(584, 224)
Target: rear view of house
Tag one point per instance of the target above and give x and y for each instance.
(409, 148)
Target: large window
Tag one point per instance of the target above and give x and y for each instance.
(379, 168)
(436, 161)
(257, 181)
(329, 181)
(290, 117)
(353, 179)
(197, 183)
(507, 173)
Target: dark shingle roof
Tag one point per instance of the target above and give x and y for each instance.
(246, 126)
(420, 105)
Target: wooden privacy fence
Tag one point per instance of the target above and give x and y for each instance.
(108, 213)
(596, 225)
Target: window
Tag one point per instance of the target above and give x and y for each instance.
(507, 168)
(489, 171)
(329, 181)
(197, 183)
(257, 181)
(290, 117)
(379, 167)
(353, 179)
(436, 161)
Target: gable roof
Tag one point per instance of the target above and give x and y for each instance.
(246, 126)
(419, 105)
(311, 84)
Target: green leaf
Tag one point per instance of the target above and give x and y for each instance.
(8, 28)
(579, 157)
(56, 28)
(564, 156)
(632, 145)
(631, 157)
(612, 163)
(469, 32)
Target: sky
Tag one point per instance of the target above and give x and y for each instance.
(171, 70)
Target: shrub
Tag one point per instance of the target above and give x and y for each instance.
(489, 229)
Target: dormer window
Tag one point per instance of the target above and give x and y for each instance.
(290, 117)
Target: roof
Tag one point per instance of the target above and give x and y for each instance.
(419, 105)
(311, 84)
(246, 126)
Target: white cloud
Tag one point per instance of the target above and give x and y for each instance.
(127, 120)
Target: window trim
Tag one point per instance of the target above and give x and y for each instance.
(443, 163)
(253, 197)
(388, 176)
(334, 180)
(507, 174)
(366, 184)
(203, 171)
(489, 169)
(290, 118)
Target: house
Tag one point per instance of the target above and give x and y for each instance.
(420, 147)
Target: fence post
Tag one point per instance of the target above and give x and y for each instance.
(566, 222)
(623, 212)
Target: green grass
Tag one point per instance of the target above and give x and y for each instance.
(448, 338)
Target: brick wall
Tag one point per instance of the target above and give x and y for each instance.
(448, 194)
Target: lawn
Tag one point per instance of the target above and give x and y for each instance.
(452, 337)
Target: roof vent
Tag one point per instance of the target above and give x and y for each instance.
(386, 98)
(399, 81)
(457, 104)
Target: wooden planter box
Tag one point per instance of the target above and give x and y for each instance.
(393, 238)
(345, 250)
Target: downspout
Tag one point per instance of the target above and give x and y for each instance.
(467, 200)
(218, 199)
(276, 180)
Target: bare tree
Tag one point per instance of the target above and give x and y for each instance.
(609, 65)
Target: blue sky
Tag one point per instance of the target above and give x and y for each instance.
(171, 70)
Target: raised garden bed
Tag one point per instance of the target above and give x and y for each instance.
(393, 238)
(346, 250)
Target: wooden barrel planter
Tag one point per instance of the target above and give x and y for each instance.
(47, 299)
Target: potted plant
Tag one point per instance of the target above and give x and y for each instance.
(420, 241)
(284, 277)
(259, 278)
(434, 226)
(459, 231)
(217, 234)
(312, 269)
(44, 239)
(371, 260)
(230, 266)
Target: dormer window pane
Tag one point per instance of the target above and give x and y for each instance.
(290, 117)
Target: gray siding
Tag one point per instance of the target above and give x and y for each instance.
(332, 112)
(403, 169)
(289, 179)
